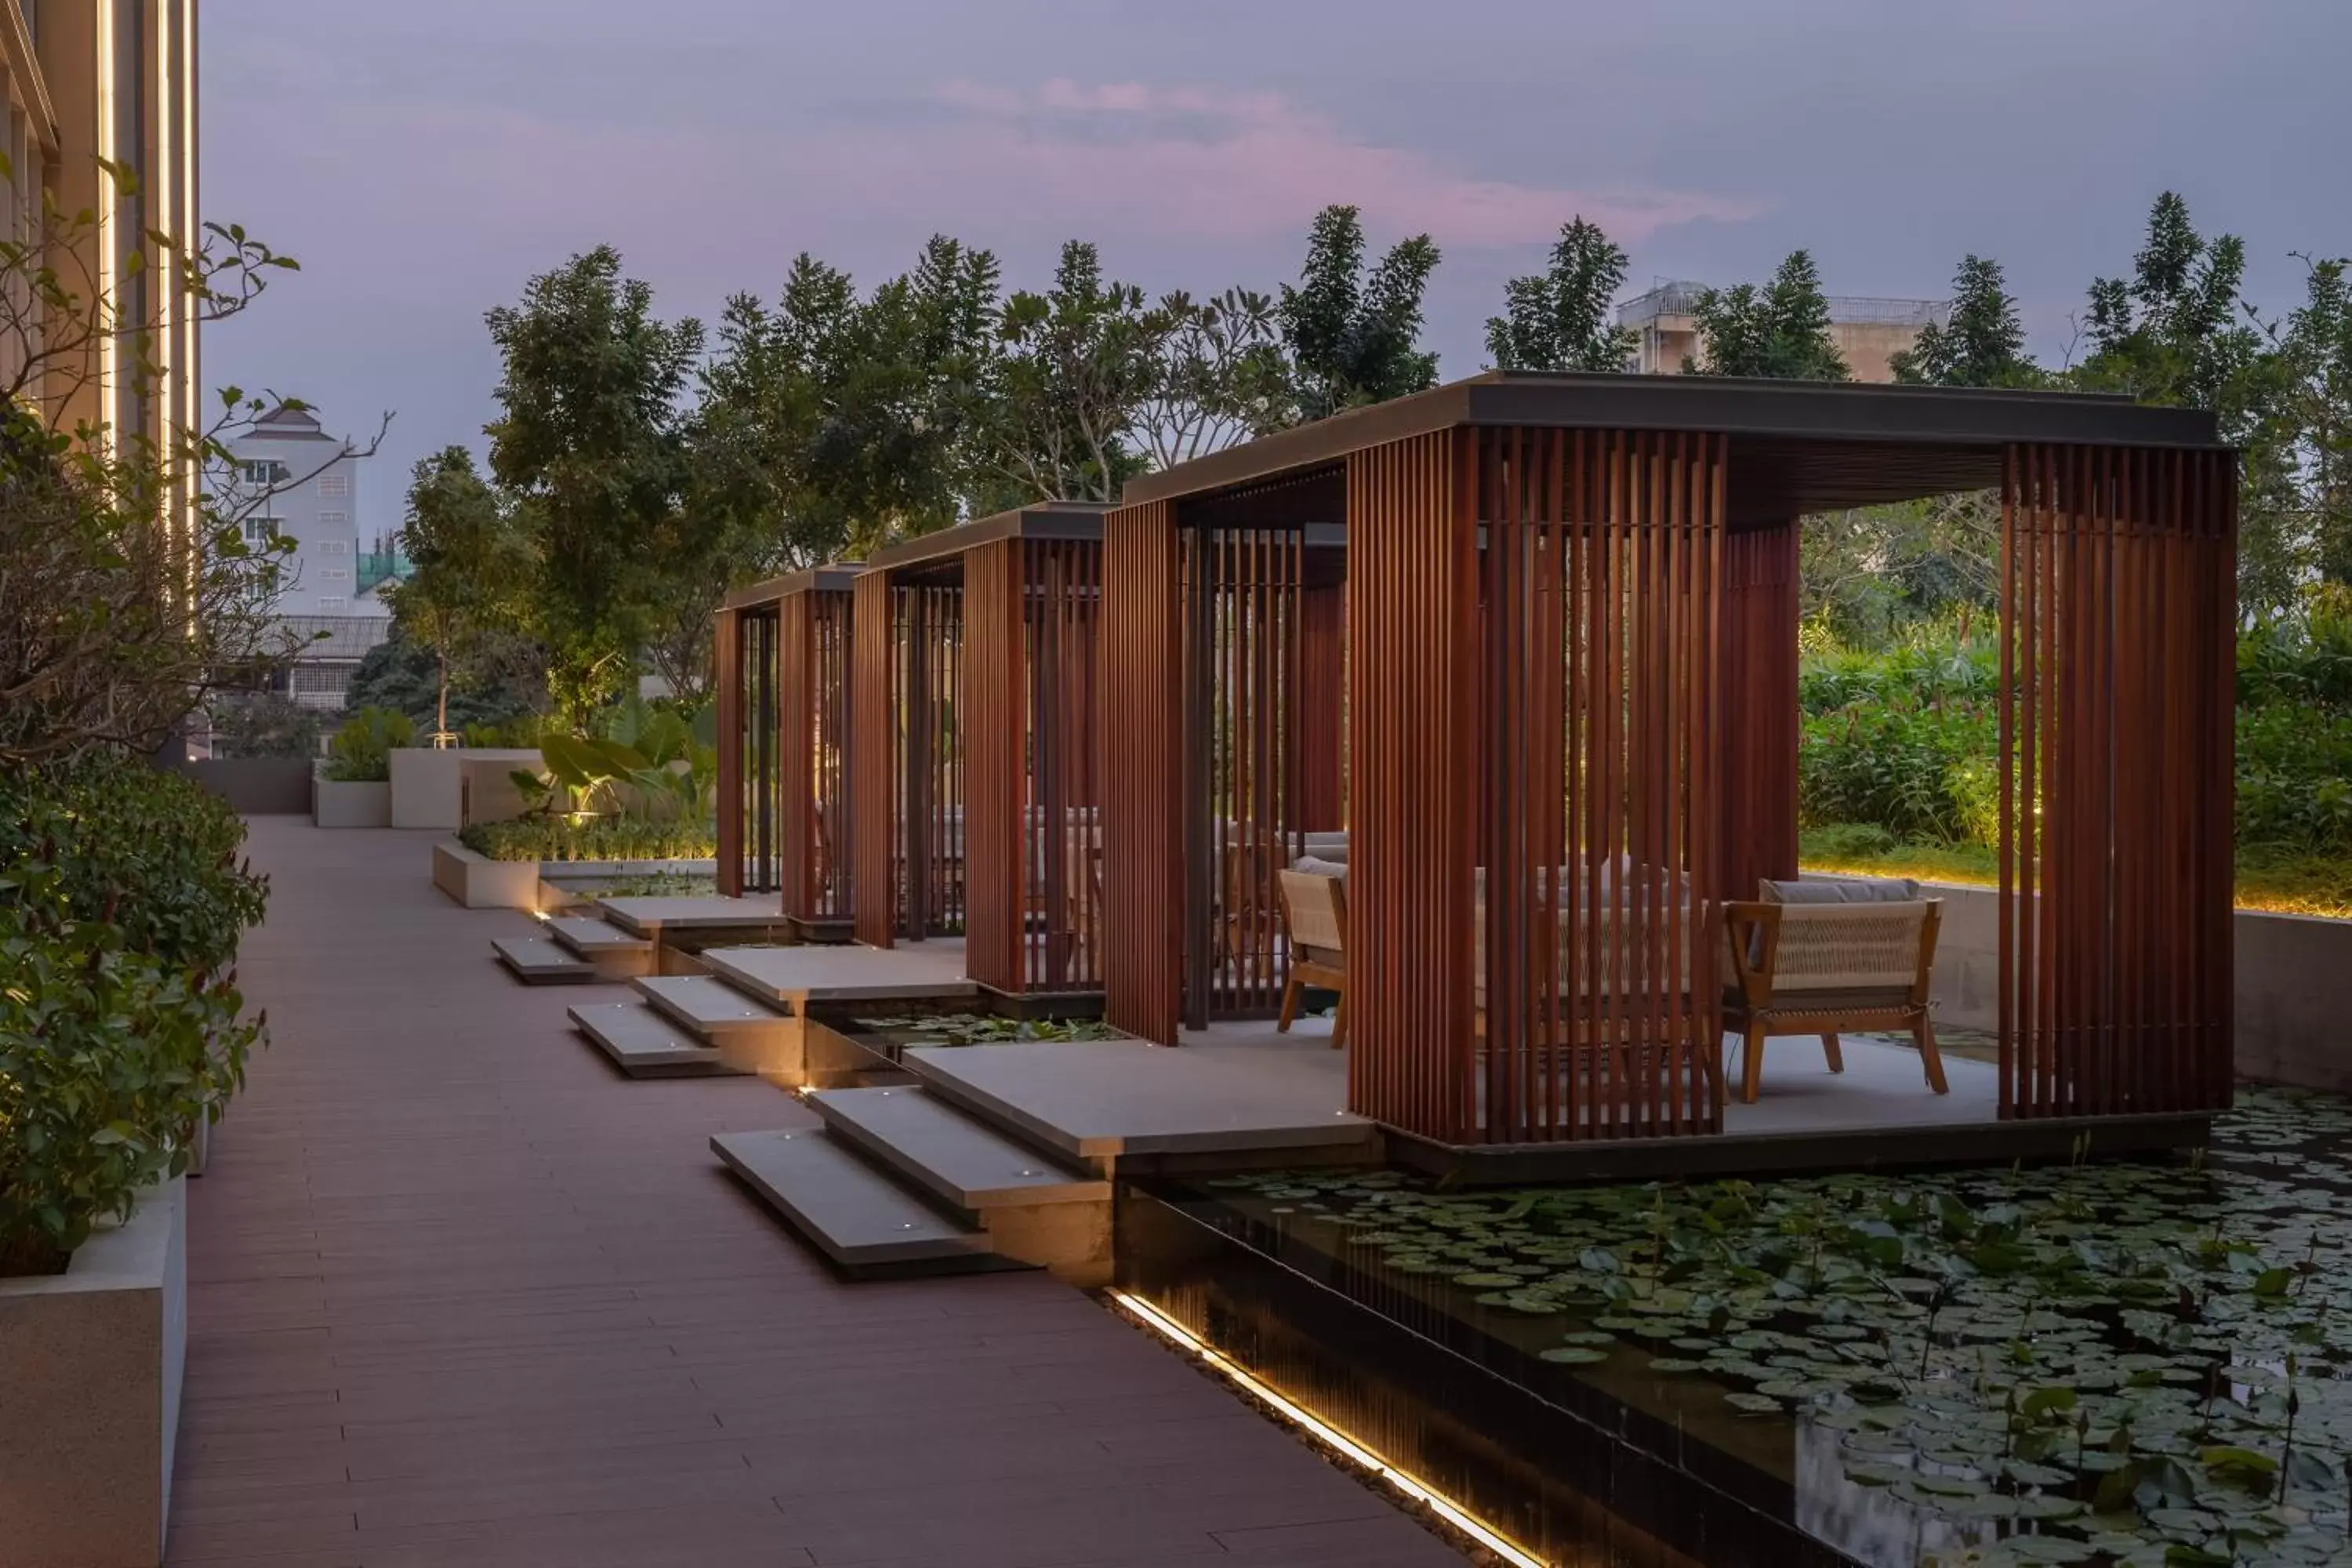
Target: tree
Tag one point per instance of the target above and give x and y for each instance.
(130, 590)
(591, 446)
(1981, 342)
(472, 570)
(505, 681)
(1564, 316)
(2176, 331)
(2314, 414)
(1355, 338)
(832, 423)
(1780, 330)
(1221, 376)
(1081, 362)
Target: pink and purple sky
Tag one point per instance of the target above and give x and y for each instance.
(424, 158)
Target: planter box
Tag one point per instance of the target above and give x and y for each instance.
(428, 788)
(486, 789)
(480, 883)
(336, 804)
(91, 1362)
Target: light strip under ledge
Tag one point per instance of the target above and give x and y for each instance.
(1330, 1436)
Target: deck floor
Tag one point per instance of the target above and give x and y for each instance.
(460, 1295)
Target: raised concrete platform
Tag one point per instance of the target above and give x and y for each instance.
(693, 912)
(948, 1153)
(642, 1043)
(1105, 1100)
(536, 962)
(857, 1216)
(793, 976)
(709, 1009)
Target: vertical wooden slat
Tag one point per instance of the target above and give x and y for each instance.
(995, 725)
(733, 799)
(874, 778)
(2116, 734)
(1142, 742)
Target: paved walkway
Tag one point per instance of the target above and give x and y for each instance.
(462, 1296)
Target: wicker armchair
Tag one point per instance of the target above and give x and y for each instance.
(1821, 968)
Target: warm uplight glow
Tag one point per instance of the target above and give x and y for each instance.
(107, 307)
(185, 229)
(1330, 1436)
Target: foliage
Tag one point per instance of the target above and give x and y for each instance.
(2124, 1361)
(649, 762)
(986, 1028)
(1564, 318)
(1355, 338)
(2299, 476)
(122, 899)
(1980, 343)
(361, 750)
(500, 688)
(1080, 362)
(1781, 330)
(142, 851)
(591, 446)
(261, 724)
(1902, 741)
(1221, 376)
(590, 838)
(471, 569)
(831, 423)
(1875, 575)
(129, 590)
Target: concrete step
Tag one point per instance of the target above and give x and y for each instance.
(591, 937)
(711, 1010)
(643, 1044)
(535, 962)
(848, 1210)
(959, 1160)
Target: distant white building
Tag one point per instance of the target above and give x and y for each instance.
(293, 479)
(300, 481)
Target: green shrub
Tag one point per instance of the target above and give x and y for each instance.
(108, 1058)
(122, 899)
(361, 750)
(111, 840)
(591, 838)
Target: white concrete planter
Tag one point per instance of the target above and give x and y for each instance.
(481, 883)
(428, 788)
(337, 804)
(90, 1364)
(2287, 1022)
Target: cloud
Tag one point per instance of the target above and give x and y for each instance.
(1205, 164)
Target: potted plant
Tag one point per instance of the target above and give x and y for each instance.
(354, 787)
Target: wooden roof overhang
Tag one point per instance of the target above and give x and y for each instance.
(1794, 446)
(834, 578)
(939, 556)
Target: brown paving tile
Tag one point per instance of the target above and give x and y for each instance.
(461, 1296)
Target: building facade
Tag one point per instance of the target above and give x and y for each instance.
(90, 83)
(295, 481)
(1867, 332)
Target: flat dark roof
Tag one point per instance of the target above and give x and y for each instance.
(834, 578)
(1958, 430)
(1043, 520)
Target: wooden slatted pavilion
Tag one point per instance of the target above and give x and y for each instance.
(1570, 634)
(782, 683)
(976, 753)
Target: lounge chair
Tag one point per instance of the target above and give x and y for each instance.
(1817, 958)
(1318, 907)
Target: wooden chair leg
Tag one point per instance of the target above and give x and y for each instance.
(1751, 1063)
(1290, 990)
(1340, 1021)
(1923, 1032)
(1834, 1051)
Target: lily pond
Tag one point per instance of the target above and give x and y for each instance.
(972, 1029)
(2103, 1363)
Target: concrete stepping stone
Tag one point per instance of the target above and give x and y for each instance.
(536, 962)
(850, 1211)
(952, 1156)
(643, 1044)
